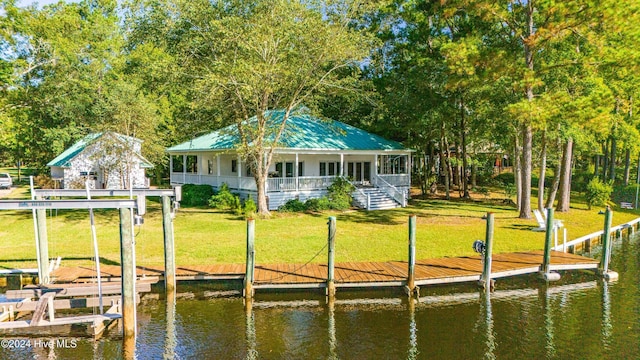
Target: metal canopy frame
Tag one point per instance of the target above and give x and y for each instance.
(127, 243)
(176, 192)
(70, 204)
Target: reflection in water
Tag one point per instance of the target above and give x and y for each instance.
(250, 336)
(485, 309)
(607, 326)
(332, 329)
(548, 324)
(413, 331)
(170, 340)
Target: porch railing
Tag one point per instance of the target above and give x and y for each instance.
(234, 182)
(300, 183)
(391, 190)
(315, 182)
(248, 183)
(281, 184)
(396, 179)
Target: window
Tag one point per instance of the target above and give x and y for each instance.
(209, 167)
(177, 163)
(234, 166)
(301, 169)
(330, 168)
(392, 164)
(91, 175)
(192, 164)
(289, 168)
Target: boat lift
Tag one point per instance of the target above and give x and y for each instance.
(127, 243)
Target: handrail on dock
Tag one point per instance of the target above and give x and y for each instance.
(563, 247)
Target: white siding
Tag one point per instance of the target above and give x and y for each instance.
(87, 162)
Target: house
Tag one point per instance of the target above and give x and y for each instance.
(312, 152)
(107, 159)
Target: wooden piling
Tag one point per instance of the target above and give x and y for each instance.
(169, 247)
(606, 239)
(485, 280)
(545, 271)
(250, 263)
(331, 238)
(411, 276)
(606, 248)
(43, 246)
(128, 281)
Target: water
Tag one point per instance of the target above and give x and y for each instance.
(578, 318)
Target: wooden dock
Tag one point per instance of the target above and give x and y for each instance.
(349, 274)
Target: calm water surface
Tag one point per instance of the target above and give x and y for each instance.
(577, 318)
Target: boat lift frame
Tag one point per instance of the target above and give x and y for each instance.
(127, 242)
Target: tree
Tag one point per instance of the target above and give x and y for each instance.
(71, 76)
(251, 57)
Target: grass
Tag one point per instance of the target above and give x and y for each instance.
(206, 236)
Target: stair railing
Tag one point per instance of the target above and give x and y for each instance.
(361, 198)
(397, 195)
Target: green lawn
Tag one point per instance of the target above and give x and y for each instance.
(204, 236)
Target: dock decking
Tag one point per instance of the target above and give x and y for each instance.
(350, 274)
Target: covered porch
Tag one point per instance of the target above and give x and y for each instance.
(294, 171)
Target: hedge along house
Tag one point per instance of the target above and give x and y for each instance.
(108, 160)
(311, 154)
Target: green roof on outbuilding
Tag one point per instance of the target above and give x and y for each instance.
(302, 132)
(64, 159)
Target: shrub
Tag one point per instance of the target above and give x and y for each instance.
(598, 192)
(580, 180)
(293, 205)
(340, 193)
(509, 191)
(44, 182)
(315, 204)
(224, 199)
(196, 195)
(250, 208)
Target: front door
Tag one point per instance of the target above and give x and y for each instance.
(359, 172)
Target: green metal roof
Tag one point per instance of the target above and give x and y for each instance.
(303, 132)
(64, 159)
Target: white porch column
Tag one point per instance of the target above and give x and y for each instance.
(199, 167)
(239, 170)
(295, 171)
(218, 170)
(341, 164)
(409, 167)
(375, 165)
(409, 170)
(184, 169)
(170, 167)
